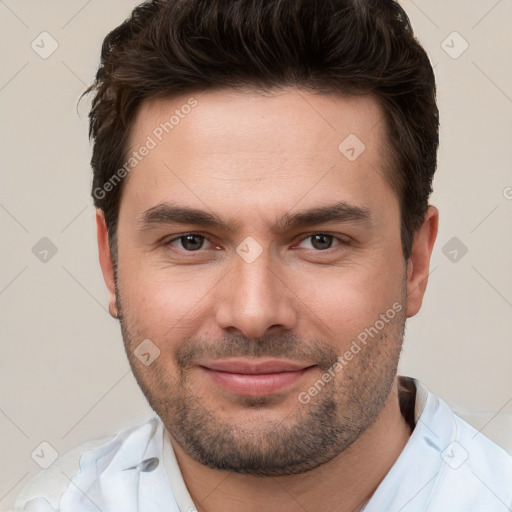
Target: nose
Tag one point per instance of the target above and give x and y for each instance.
(254, 298)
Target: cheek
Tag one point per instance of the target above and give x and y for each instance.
(162, 303)
(347, 300)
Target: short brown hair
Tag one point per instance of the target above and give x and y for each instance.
(171, 47)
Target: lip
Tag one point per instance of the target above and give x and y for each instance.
(255, 366)
(255, 377)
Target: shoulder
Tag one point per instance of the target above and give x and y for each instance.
(474, 472)
(47, 486)
(478, 467)
(446, 465)
(43, 493)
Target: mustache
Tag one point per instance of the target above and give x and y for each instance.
(276, 346)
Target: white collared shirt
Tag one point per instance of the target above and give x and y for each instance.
(446, 466)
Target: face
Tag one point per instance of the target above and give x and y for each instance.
(260, 266)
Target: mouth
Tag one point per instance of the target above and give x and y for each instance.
(255, 377)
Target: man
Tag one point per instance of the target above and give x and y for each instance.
(262, 171)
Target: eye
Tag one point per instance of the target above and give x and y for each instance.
(322, 241)
(190, 242)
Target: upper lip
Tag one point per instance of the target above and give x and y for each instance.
(255, 366)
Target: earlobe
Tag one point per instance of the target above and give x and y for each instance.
(419, 263)
(106, 263)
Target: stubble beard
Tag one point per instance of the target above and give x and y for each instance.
(313, 434)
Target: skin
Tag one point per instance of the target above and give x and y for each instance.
(252, 158)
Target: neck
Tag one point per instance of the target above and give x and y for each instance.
(343, 484)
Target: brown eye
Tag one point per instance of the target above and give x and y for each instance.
(189, 242)
(321, 241)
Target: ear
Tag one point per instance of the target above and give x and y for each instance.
(106, 264)
(419, 262)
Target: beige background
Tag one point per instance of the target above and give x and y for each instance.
(65, 378)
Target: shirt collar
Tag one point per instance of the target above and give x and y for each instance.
(413, 397)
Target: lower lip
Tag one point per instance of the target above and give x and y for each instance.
(255, 384)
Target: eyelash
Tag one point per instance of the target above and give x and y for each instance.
(342, 242)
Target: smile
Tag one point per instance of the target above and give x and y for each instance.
(255, 378)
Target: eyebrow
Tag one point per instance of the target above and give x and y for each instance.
(168, 213)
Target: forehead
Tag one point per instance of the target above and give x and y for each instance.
(254, 150)
(295, 116)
